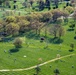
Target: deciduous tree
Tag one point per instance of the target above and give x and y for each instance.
(72, 46)
(12, 29)
(18, 43)
(56, 71)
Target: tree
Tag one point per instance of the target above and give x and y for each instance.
(65, 15)
(72, 46)
(2, 1)
(56, 3)
(56, 71)
(20, 18)
(18, 43)
(41, 5)
(74, 16)
(37, 26)
(15, 1)
(54, 30)
(23, 24)
(31, 2)
(24, 4)
(57, 31)
(35, 22)
(47, 3)
(7, 3)
(34, 16)
(69, 9)
(60, 20)
(73, 3)
(61, 32)
(46, 18)
(37, 70)
(56, 14)
(12, 29)
(72, 26)
(3, 28)
(10, 19)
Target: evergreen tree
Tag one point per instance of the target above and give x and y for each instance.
(56, 3)
(47, 3)
(2, 1)
(41, 5)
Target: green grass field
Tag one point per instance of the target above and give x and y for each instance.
(23, 10)
(32, 50)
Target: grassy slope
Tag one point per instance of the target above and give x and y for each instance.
(34, 52)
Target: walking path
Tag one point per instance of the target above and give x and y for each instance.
(36, 65)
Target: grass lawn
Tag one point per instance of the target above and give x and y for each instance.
(33, 49)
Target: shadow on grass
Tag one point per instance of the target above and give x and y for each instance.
(71, 50)
(14, 50)
(56, 61)
(75, 37)
(7, 39)
(32, 35)
(55, 40)
(70, 30)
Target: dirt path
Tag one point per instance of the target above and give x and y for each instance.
(36, 65)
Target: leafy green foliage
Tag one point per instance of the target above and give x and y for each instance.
(18, 43)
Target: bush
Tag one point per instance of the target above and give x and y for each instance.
(75, 37)
(18, 43)
(72, 26)
(69, 9)
(72, 46)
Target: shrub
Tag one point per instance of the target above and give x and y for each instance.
(72, 46)
(18, 43)
(69, 9)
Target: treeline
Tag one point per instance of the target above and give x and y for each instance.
(14, 25)
(37, 5)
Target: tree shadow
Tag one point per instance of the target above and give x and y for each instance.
(55, 40)
(7, 39)
(70, 29)
(56, 61)
(75, 37)
(71, 50)
(32, 35)
(29, 35)
(14, 50)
